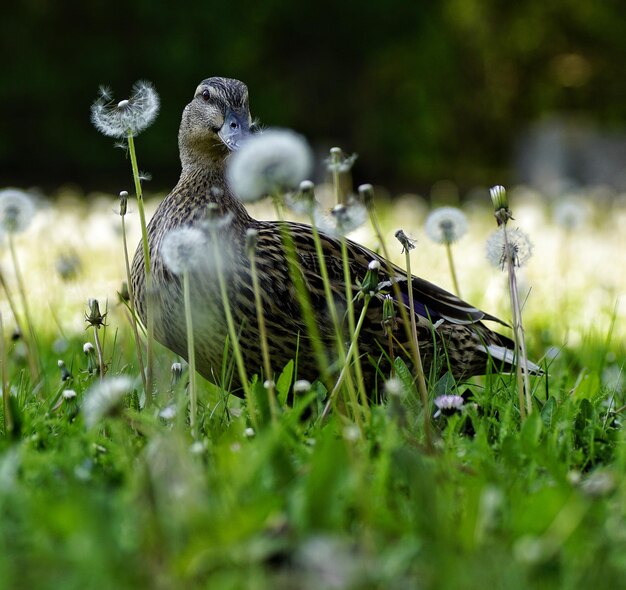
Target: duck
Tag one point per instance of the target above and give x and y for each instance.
(452, 334)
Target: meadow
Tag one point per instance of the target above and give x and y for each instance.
(129, 499)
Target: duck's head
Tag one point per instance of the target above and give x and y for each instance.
(215, 121)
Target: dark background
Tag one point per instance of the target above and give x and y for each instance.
(421, 90)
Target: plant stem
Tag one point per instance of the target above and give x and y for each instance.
(4, 382)
(267, 365)
(30, 338)
(149, 294)
(455, 281)
(133, 313)
(191, 355)
(99, 352)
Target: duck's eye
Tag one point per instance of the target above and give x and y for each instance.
(206, 94)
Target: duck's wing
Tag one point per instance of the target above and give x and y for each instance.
(429, 300)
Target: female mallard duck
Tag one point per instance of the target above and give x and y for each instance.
(451, 333)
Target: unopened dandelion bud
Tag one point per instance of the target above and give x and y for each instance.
(123, 202)
(301, 386)
(252, 236)
(92, 361)
(369, 286)
(389, 315)
(500, 204)
(366, 192)
(94, 317)
(406, 242)
(65, 374)
(177, 371)
(269, 384)
(123, 293)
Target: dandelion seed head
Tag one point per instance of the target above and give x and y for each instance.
(128, 116)
(301, 386)
(446, 225)
(339, 161)
(407, 243)
(168, 412)
(102, 398)
(184, 249)
(394, 387)
(571, 213)
(374, 265)
(17, 209)
(516, 245)
(68, 394)
(343, 219)
(303, 200)
(276, 160)
(88, 348)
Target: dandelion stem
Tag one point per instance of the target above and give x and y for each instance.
(30, 338)
(421, 381)
(133, 313)
(349, 355)
(455, 281)
(4, 382)
(267, 364)
(335, 156)
(191, 355)
(146, 258)
(96, 339)
(234, 338)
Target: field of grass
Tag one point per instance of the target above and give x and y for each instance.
(134, 502)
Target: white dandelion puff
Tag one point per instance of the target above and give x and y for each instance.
(17, 209)
(184, 249)
(104, 398)
(516, 246)
(129, 116)
(277, 160)
(340, 161)
(303, 200)
(343, 219)
(446, 225)
(571, 213)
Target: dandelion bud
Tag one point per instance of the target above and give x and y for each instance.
(123, 293)
(68, 394)
(406, 242)
(92, 361)
(369, 286)
(269, 384)
(252, 236)
(500, 204)
(177, 371)
(123, 202)
(389, 315)
(94, 317)
(301, 386)
(366, 192)
(65, 374)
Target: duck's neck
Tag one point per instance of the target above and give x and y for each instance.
(204, 184)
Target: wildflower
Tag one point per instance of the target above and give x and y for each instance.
(343, 218)
(389, 321)
(16, 210)
(394, 387)
(94, 317)
(571, 214)
(514, 245)
(273, 161)
(183, 249)
(303, 200)
(448, 405)
(92, 361)
(446, 225)
(340, 161)
(369, 286)
(127, 117)
(500, 204)
(407, 243)
(104, 398)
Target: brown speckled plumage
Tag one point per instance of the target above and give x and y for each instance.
(457, 342)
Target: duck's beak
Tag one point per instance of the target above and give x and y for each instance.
(234, 130)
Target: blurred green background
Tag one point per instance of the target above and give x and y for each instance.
(420, 90)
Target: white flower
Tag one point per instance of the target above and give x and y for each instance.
(130, 116)
(570, 214)
(519, 250)
(343, 219)
(448, 404)
(276, 160)
(16, 210)
(184, 249)
(104, 397)
(446, 225)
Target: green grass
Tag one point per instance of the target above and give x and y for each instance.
(300, 503)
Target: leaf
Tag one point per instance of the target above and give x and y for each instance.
(283, 384)
(548, 412)
(531, 430)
